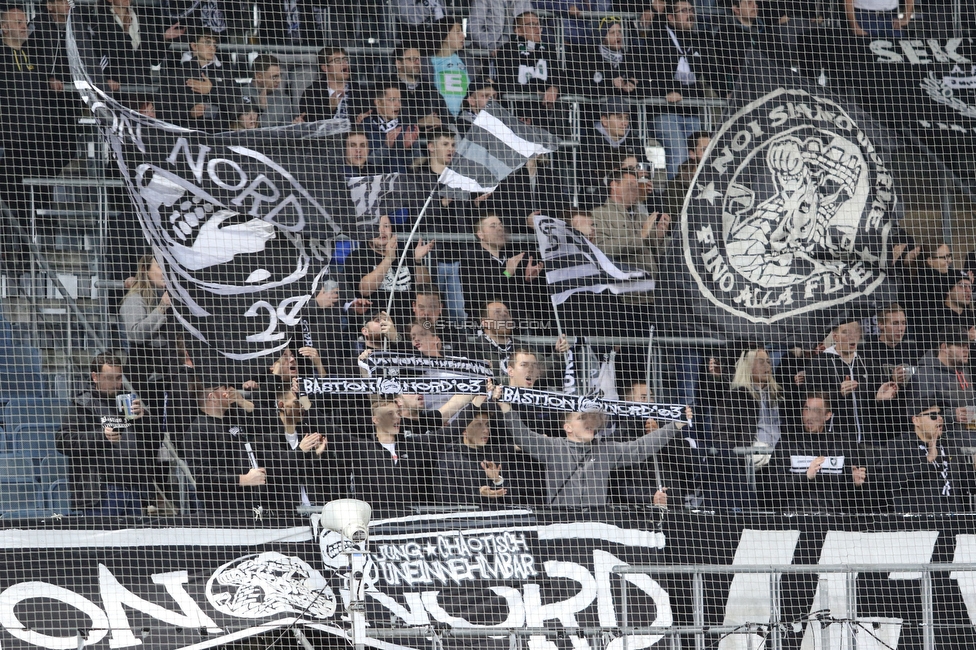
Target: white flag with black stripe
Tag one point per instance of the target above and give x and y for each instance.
(495, 145)
(575, 264)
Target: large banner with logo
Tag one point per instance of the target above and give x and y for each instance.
(787, 219)
(935, 83)
(241, 223)
(193, 586)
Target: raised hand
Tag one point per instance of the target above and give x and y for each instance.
(421, 250)
(255, 477)
(532, 271)
(512, 263)
(492, 470)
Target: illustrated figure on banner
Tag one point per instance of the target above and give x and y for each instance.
(820, 193)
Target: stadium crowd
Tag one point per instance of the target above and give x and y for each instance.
(846, 428)
(880, 417)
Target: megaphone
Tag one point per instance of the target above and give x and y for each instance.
(348, 517)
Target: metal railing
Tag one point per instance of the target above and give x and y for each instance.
(773, 627)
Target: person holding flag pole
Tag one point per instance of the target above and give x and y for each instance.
(495, 146)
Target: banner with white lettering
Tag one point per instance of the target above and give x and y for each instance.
(786, 222)
(588, 404)
(393, 386)
(241, 223)
(190, 585)
(935, 82)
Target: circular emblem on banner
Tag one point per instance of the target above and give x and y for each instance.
(269, 584)
(788, 211)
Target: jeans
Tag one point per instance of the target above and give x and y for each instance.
(118, 502)
(877, 23)
(449, 282)
(673, 130)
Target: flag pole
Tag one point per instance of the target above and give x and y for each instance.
(650, 352)
(406, 244)
(567, 356)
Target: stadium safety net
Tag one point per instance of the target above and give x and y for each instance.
(492, 324)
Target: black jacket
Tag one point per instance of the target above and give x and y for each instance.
(600, 155)
(524, 70)
(483, 280)
(786, 486)
(373, 475)
(914, 485)
(729, 48)
(661, 59)
(853, 413)
(593, 74)
(29, 118)
(113, 48)
(420, 100)
(881, 362)
(460, 476)
(95, 462)
(736, 418)
(217, 454)
(677, 465)
(223, 101)
(315, 102)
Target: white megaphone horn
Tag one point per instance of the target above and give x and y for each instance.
(348, 517)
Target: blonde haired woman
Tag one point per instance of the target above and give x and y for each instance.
(755, 399)
(748, 414)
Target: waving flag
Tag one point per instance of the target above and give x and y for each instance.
(575, 264)
(241, 223)
(785, 225)
(496, 145)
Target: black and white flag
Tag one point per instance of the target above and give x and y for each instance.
(396, 361)
(575, 264)
(241, 222)
(495, 145)
(785, 225)
(368, 194)
(393, 386)
(934, 88)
